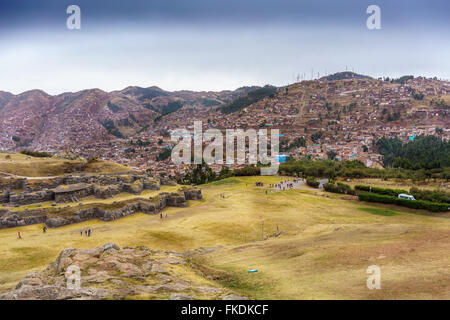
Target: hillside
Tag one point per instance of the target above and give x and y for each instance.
(344, 76)
(36, 120)
(22, 165)
(248, 99)
(344, 118)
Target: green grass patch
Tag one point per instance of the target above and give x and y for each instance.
(167, 237)
(22, 258)
(380, 212)
(248, 284)
(223, 182)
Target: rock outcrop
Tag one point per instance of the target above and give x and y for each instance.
(166, 182)
(72, 188)
(192, 193)
(27, 197)
(111, 272)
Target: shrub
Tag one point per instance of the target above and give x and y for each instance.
(36, 154)
(247, 171)
(312, 182)
(382, 191)
(430, 195)
(339, 188)
(112, 129)
(414, 204)
(164, 154)
(114, 107)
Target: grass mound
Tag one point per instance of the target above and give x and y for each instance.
(24, 165)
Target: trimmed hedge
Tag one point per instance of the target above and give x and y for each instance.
(339, 188)
(430, 195)
(312, 182)
(383, 191)
(414, 204)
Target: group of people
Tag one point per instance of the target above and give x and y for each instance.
(161, 215)
(87, 232)
(287, 184)
(19, 233)
(283, 185)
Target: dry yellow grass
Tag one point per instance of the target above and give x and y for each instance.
(400, 184)
(23, 165)
(323, 252)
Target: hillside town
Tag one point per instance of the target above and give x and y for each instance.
(340, 119)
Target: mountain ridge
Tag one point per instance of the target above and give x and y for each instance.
(344, 75)
(35, 118)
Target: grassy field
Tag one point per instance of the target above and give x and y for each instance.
(400, 184)
(316, 245)
(23, 165)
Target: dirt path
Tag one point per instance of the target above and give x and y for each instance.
(11, 175)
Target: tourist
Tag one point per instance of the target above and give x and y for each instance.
(160, 215)
(89, 232)
(44, 229)
(19, 234)
(85, 232)
(81, 232)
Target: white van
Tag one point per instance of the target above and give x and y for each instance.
(406, 196)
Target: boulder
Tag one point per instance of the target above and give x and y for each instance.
(110, 245)
(56, 222)
(130, 271)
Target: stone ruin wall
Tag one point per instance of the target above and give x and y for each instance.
(75, 195)
(27, 197)
(153, 205)
(105, 186)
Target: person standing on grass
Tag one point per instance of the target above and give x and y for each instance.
(81, 232)
(85, 232)
(44, 229)
(19, 234)
(89, 232)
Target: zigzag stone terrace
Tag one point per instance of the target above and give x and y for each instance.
(16, 192)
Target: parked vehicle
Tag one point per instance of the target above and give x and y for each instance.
(406, 196)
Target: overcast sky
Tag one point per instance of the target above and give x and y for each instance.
(215, 44)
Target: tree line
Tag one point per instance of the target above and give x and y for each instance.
(424, 152)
